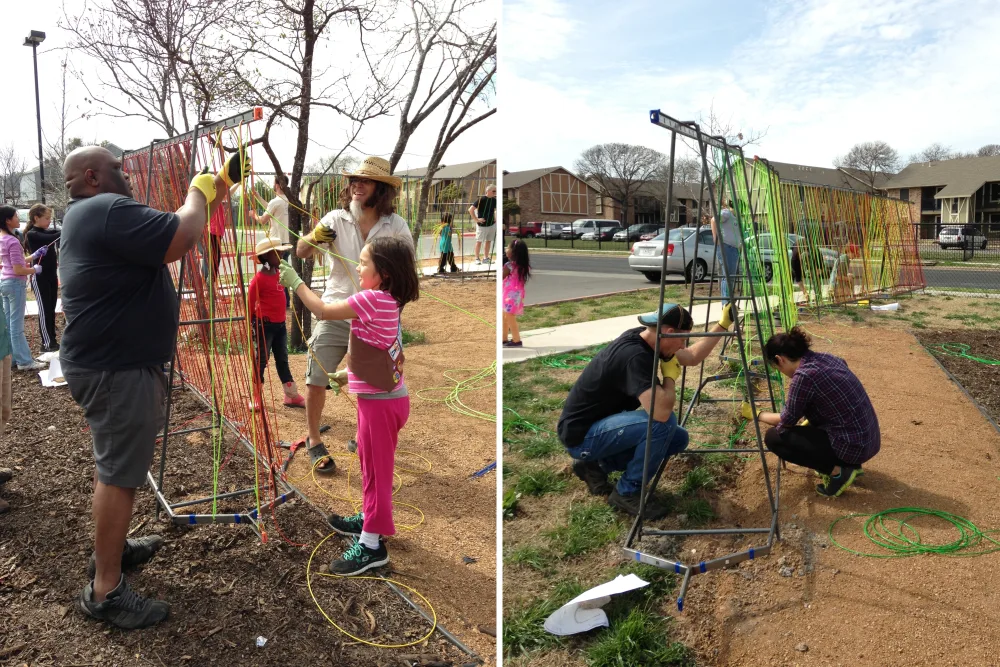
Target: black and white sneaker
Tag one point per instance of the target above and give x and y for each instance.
(347, 525)
(359, 558)
(136, 552)
(123, 607)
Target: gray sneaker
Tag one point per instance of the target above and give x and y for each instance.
(136, 552)
(33, 366)
(123, 608)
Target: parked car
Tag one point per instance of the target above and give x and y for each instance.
(764, 244)
(580, 227)
(603, 233)
(551, 230)
(634, 232)
(646, 257)
(956, 237)
(526, 230)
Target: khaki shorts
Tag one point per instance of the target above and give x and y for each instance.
(327, 349)
(484, 233)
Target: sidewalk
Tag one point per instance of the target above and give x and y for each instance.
(570, 337)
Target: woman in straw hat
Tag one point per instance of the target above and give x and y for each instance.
(367, 211)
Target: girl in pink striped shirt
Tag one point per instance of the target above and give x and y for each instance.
(388, 279)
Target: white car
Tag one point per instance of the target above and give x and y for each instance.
(646, 257)
(956, 237)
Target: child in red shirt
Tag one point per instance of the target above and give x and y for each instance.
(267, 309)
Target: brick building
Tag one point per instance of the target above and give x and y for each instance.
(464, 183)
(949, 192)
(553, 194)
(647, 205)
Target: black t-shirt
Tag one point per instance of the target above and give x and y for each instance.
(44, 237)
(611, 383)
(118, 297)
(486, 207)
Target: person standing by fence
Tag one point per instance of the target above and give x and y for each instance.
(484, 212)
(37, 235)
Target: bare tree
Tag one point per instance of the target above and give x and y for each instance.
(443, 55)
(871, 159)
(59, 146)
(714, 124)
(620, 170)
(279, 69)
(933, 153)
(687, 171)
(12, 167)
(989, 150)
(155, 57)
(470, 104)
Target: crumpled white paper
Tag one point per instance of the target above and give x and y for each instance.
(584, 612)
(53, 375)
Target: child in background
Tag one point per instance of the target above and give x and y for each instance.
(13, 286)
(39, 234)
(515, 274)
(5, 400)
(268, 309)
(444, 244)
(387, 275)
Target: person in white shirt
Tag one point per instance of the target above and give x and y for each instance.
(276, 214)
(366, 212)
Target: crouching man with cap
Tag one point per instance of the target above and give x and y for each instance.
(603, 423)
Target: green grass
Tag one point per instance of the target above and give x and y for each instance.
(539, 446)
(586, 310)
(539, 482)
(413, 337)
(698, 511)
(523, 631)
(511, 498)
(639, 639)
(699, 478)
(589, 527)
(971, 318)
(530, 556)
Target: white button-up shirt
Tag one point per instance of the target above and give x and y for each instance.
(343, 279)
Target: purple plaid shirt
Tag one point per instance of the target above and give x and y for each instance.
(830, 396)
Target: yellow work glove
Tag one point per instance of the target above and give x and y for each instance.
(726, 320)
(804, 422)
(204, 182)
(235, 169)
(338, 380)
(670, 368)
(323, 234)
(747, 411)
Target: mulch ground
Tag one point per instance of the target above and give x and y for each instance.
(226, 588)
(979, 379)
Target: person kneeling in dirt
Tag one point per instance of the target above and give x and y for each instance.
(121, 324)
(600, 425)
(842, 430)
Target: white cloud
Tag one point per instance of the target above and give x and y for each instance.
(535, 30)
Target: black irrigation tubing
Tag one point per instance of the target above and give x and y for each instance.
(965, 391)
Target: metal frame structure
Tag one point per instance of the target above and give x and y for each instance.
(650, 479)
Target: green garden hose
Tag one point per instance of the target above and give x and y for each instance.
(961, 350)
(889, 530)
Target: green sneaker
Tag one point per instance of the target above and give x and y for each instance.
(358, 558)
(347, 525)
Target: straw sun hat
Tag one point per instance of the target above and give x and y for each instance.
(269, 244)
(376, 169)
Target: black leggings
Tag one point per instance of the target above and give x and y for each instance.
(46, 288)
(272, 336)
(805, 446)
(446, 258)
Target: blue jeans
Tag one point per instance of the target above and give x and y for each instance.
(732, 258)
(14, 291)
(618, 442)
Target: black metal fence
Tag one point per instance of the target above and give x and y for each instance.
(960, 257)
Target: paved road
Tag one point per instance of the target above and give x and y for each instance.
(557, 276)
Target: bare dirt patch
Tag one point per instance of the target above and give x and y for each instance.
(226, 588)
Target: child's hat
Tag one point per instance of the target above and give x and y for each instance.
(269, 244)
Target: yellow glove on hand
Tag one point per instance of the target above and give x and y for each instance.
(726, 320)
(204, 182)
(671, 368)
(338, 380)
(804, 422)
(235, 170)
(323, 234)
(747, 411)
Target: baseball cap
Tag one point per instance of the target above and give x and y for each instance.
(670, 314)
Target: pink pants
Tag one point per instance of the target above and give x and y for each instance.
(379, 424)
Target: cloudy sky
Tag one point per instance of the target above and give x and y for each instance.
(17, 119)
(818, 76)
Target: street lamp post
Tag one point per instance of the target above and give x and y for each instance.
(33, 40)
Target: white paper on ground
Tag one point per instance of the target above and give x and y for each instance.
(584, 612)
(51, 374)
(888, 306)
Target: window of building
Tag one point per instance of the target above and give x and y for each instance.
(598, 205)
(904, 194)
(954, 205)
(563, 193)
(995, 192)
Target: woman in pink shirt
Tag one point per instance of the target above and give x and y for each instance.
(13, 286)
(388, 281)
